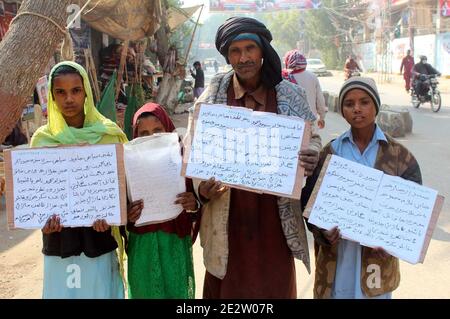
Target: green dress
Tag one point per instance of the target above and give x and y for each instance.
(160, 265)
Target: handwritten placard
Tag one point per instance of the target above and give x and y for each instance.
(153, 169)
(375, 209)
(256, 151)
(80, 184)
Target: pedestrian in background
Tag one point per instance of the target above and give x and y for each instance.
(199, 77)
(296, 72)
(406, 68)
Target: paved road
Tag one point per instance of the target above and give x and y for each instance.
(390, 93)
(429, 142)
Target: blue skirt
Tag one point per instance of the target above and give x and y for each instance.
(81, 277)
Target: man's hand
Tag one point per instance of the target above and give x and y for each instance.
(308, 160)
(333, 235)
(134, 210)
(187, 201)
(100, 225)
(53, 225)
(211, 189)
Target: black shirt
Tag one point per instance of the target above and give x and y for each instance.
(199, 77)
(424, 68)
(74, 241)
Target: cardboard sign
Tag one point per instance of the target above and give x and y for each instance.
(375, 209)
(80, 184)
(245, 149)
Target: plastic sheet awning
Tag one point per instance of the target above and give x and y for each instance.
(123, 19)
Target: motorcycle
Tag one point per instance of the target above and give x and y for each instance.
(433, 95)
(352, 74)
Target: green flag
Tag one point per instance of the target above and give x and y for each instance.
(135, 100)
(107, 104)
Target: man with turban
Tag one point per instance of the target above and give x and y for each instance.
(250, 240)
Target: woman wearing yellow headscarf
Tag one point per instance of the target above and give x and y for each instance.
(79, 262)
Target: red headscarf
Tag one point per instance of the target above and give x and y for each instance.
(295, 63)
(294, 60)
(158, 111)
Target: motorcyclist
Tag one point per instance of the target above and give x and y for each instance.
(350, 66)
(420, 72)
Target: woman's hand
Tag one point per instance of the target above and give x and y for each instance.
(333, 235)
(53, 225)
(211, 189)
(134, 210)
(308, 160)
(187, 201)
(100, 225)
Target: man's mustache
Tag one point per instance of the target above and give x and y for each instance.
(246, 64)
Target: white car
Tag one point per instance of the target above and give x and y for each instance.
(317, 67)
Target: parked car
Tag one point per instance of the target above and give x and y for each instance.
(317, 67)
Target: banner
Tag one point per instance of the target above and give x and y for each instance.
(42, 90)
(81, 38)
(206, 45)
(444, 8)
(261, 5)
(398, 49)
(398, 2)
(7, 13)
(443, 53)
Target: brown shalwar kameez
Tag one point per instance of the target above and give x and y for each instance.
(260, 264)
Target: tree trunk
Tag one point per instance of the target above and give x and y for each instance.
(162, 37)
(168, 92)
(170, 85)
(24, 53)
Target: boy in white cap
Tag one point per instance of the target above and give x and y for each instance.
(343, 267)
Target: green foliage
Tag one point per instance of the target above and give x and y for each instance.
(286, 29)
(181, 37)
(328, 29)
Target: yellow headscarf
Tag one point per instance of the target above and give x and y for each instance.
(96, 129)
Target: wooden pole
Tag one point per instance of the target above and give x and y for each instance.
(92, 71)
(123, 58)
(193, 34)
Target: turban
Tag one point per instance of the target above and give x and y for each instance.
(233, 27)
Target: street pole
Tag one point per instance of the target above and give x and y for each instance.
(438, 31)
(410, 27)
(388, 78)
